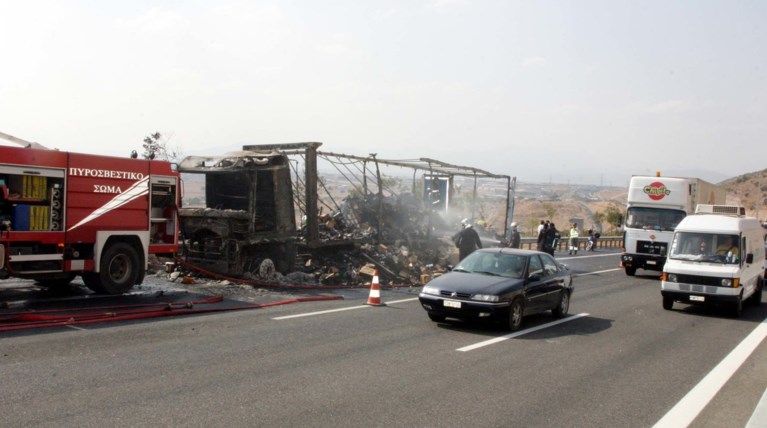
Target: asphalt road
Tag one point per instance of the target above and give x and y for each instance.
(620, 360)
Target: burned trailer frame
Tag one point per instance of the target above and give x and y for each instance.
(247, 226)
(430, 168)
(306, 190)
(308, 197)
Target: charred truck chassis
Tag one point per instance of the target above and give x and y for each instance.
(248, 224)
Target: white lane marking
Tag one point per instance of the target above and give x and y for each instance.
(759, 417)
(688, 408)
(597, 272)
(309, 314)
(589, 256)
(412, 299)
(519, 333)
(330, 311)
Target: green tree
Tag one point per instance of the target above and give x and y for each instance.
(157, 147)
(613, 216)
(533, 223)
(599, 218)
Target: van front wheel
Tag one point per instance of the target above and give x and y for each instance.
(668, 303)
(737, 307)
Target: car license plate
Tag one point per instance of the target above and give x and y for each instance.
(651, 262)
(452, 304)
(697, 298)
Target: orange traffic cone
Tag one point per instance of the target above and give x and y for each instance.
(374, 299)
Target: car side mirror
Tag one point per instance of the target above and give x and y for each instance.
(750, 258)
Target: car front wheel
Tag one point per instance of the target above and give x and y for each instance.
(515, 314)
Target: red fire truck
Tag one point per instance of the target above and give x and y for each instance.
(66, 214)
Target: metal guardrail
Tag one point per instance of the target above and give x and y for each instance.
(602, 242)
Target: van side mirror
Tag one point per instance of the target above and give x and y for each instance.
(750, 258)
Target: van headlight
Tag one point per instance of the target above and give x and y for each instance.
(485, 297)
(671, 277)
(430, 290)
(730, 282)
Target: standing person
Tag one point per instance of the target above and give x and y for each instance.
(573, 242)
(515, 237)
(467, 240)
(550, 241)
(542, 236)
(540, 227)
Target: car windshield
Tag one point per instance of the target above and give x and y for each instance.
(653, 218)
(705, 247)
(495, 263)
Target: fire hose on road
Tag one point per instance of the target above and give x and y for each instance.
(59, 317)
(28, 320)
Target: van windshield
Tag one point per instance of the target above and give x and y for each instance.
(705, 247)
(653, 218)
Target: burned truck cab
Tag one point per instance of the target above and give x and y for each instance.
(246, 224)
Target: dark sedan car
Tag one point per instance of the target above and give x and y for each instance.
(501, 284)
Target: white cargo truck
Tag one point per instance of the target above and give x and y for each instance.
(716, 258)
(655, 206)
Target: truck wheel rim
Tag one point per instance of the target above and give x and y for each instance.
(119, 268)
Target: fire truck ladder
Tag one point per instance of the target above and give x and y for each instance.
(19, 141)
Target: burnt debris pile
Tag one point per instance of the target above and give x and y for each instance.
(394, 235)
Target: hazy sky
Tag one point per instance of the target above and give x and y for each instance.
(563, 91)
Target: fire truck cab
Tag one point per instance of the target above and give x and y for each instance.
(65, 214)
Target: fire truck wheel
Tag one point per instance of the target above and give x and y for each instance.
(119, 270)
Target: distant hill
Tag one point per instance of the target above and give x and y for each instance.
(749, 191)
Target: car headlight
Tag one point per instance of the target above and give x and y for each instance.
(485, 297)
(671, 277)
(430, 290)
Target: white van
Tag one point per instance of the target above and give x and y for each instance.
(717, 257)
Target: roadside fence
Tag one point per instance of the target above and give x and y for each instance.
(562, 245)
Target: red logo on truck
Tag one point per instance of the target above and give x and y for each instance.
(656, 191)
